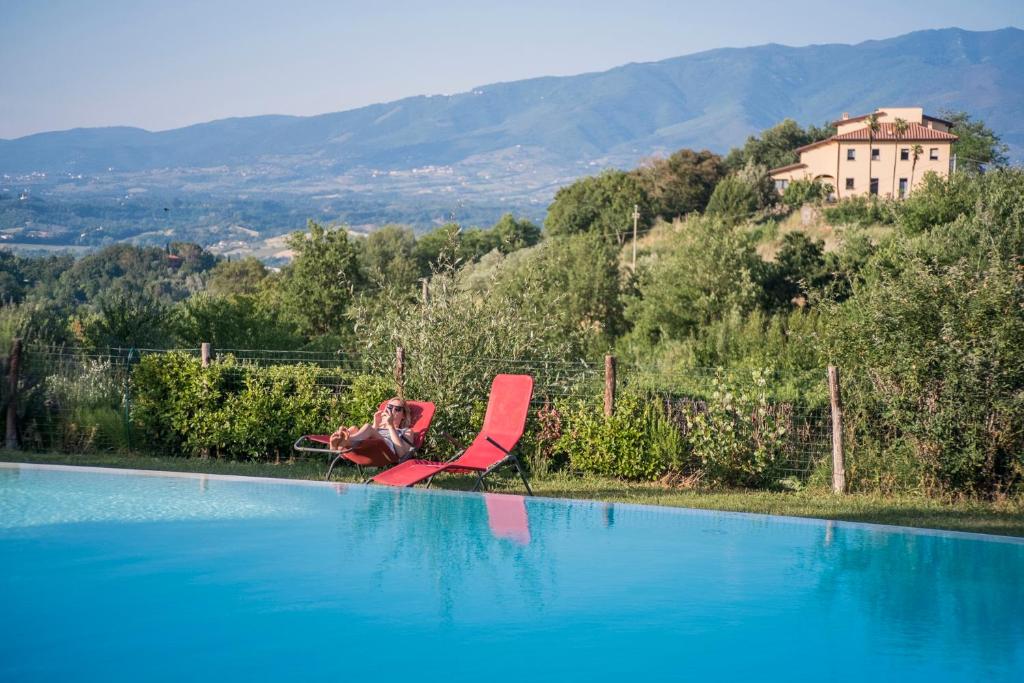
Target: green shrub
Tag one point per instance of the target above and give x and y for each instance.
(934, 361)
(228, 409)
(805, 191)
(739, 439)
(862, 211)
(457, 342)
(636, 442)
(742, 194)
(362, 396)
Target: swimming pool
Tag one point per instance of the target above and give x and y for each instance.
(111, 575)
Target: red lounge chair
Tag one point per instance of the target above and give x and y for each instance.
(372, 453)
(493, 446)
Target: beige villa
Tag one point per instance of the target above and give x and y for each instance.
(889, 162)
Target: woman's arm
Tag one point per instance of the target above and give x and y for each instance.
(402, 448)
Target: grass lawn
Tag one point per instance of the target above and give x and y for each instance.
(1002, 517)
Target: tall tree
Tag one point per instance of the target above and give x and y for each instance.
(318, 285)
(978, 146)
(915, 152)
(775, 146)
(900, 128)
(873, 127)
(602, 204)
(682, 183)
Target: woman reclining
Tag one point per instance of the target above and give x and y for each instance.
(390, 427)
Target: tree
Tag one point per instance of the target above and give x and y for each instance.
(711, 269)
(916, 151)
(682, 183)
(900, 128)
(576, 281)
(439, 249)
(743, 194)
(389, 257)
(511, 234)
(318, 285)
(873, 127)
(602, 204)
(776, 146)
(126, 319)
(799, 268)
(231, 322)
(978, 146)
(244, 276)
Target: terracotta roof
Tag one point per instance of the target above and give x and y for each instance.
(887, 132)
(790, 167)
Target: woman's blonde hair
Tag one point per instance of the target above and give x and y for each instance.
(406, 413)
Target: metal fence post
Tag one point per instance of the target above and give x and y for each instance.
(838, 462)
(609, 385)
(14, 368)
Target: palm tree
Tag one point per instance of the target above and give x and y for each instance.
(917, 151)
(900, 128)
(873, 128)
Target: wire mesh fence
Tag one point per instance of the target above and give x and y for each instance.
(80, 400)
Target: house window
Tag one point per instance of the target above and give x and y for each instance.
(933, 154)
(903, 188)
(874, 186)
(904, 154)
(851, 154)
(849, 183)
(876, 154)
(780, 185)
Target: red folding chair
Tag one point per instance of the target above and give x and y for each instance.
(493, 447)
(373, 452)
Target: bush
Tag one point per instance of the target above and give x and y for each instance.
(228, 409)
(636, 442)
(742, 194)
(934, 358)
(739, 438)
(458, 341)
(710, 270)
(805, 191)
(862, 211)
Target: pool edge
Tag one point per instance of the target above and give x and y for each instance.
(672, 509)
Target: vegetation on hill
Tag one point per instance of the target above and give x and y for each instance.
(924, 317)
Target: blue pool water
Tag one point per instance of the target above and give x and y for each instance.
(123, 576)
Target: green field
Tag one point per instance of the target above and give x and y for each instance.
(1004, 517)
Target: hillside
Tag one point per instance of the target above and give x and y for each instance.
(499, 147)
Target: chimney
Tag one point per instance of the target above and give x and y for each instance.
(846, 115)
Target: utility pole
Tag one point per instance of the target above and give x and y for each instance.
(636, 219)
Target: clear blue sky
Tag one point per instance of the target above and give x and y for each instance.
(158, 65)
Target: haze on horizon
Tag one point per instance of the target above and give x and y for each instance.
(157, 66)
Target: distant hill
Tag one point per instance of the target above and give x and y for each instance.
(510, 145)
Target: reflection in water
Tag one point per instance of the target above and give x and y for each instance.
(609, 515)
(507, 517)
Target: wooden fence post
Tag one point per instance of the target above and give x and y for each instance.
(838, 462)
(14, 367)
(426, 291)
(400, 371)
(609, 385)
(205, 353)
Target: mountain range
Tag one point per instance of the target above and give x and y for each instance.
(508, 146)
